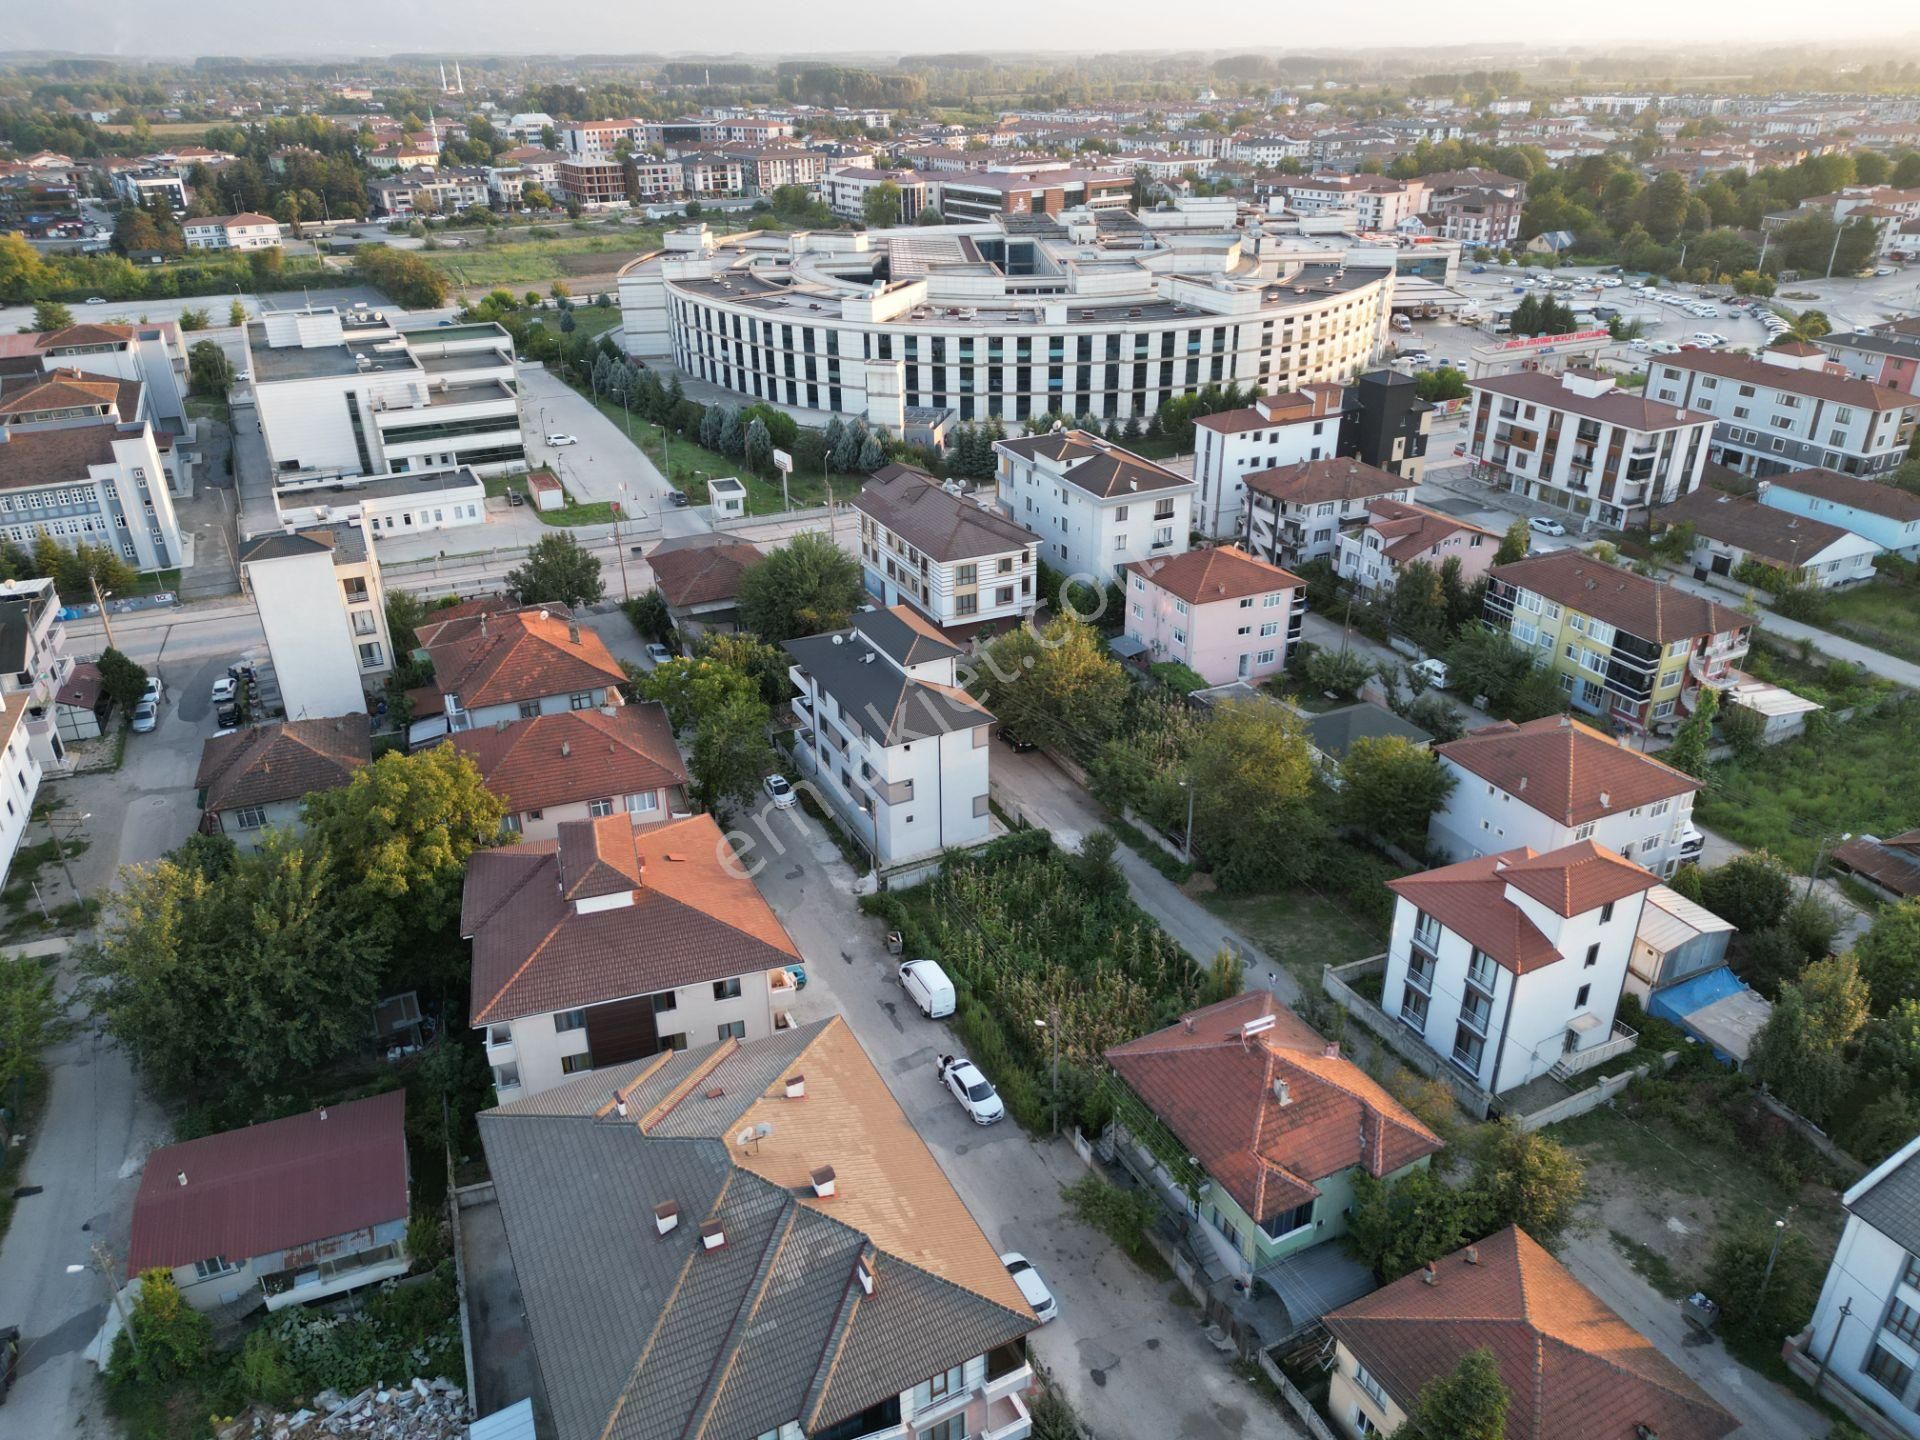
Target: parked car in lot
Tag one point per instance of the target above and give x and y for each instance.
(928, 987)
(781, 792)
(562, 439)
(514, 497)
(677, 499)
(224, 689)
(1032, 1288)
(972, 1089)
(1546, 525)
(1434, 672)
(146, 715)
(154, 689)
(658, 653)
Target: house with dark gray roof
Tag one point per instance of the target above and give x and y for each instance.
(1094, 506)
(751, 1239)
(1861, 1348)
(966, 567)
(890, 738)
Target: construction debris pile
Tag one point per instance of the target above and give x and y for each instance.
(423, 1410)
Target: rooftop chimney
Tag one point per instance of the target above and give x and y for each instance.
(573, 632)
(1283, 1093)
(665, 1216)
(620, 1107)
(796, 1087)
(1606, 800)
(183, 1177)
(566, 749)
(1331, 1051)
(1430, 1275)
(824, 1184)
(713, 1235)
(863, 1272)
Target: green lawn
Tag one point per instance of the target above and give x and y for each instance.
(1301, 931)
(1861, 777)
(519, 259)
(594, 512)
(1882, 614)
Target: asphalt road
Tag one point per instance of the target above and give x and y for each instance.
(1132, 1361)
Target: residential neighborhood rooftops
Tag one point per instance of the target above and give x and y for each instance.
(576, 755)
(282, 760)
(1271, 1112)
(272, 1186)
(693, 570)
(1570, 1365)
(880, 697)
(500, 657)
(33, 458)
(1893, 863)
(1333, 732)
(1565, 769)
(1769, 534)
(1096, 465)
(695, 916)
(946, 527)
(1888, 501)
(762, 1304)
(1410, 531)
(1801, 379)
(1314, 482)
(1645, 608)
(1225, 572)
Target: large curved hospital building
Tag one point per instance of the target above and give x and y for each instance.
(1099, 312)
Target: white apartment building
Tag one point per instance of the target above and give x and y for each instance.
(343, 393)
(421, 190)
(1790, 408)
(246, 231)
(611, 943)
(323, 609)
(34, 663)
(21, 781)
(845, 191)
(1555, 782)
(388, 505)
(1576, 442)
(1094, 506)
(1863, 1345)
(889, 738)
(1297, 513)
(1276, 430)
(601, 139)
(957, 563)
(1510, 966)
(1377, 202)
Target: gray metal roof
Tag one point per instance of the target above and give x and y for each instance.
(1892, 1205)
(871, 691)
(1334, 732)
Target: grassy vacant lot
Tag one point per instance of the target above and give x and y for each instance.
(1882, 613)
(1301, 930)
(1864, 776)
(520, 258)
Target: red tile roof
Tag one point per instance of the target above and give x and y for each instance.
(1578, 878)
(1646, 608)
(273, 1186)
(1567, 771)
(696, 916)
(576, 755)
(701, 569)
(1571, 1366)
(597, 858)
(1470, 899)
(1225, 572)
(1410, 531)
(83, 687)
(282, 760)
(498, 659)
(1314, 482)
(1216, 1089)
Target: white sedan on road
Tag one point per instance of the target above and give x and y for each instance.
(972, 1089)
(1032, 1288)
(1546, 525)
(562, 439)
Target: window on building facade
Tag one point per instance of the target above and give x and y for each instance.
(249, 817)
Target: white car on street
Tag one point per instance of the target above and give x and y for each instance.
(1546, 525)
(780, 790)
(972, 1089)
(223, 689)
(561, 439)
(1032, 1288)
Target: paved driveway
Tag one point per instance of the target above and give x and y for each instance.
(603, 461)
(1132, 1361)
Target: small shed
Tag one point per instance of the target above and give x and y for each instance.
(1782, 713)
(81, 707)
(1715, 1007)
(545, 490)
(727, 497)
(1677, 940)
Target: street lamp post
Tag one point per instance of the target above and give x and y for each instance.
(1053, 1032)
(619, 549)
(103, 1262)
(1779, 1231)
(1186, 840)
(100, 598)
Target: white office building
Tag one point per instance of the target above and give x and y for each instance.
(1094, 506)
(323, 609)
(890, 739)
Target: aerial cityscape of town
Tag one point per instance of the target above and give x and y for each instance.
(1231, 750)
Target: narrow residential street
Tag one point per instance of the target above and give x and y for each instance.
(1132, 1359)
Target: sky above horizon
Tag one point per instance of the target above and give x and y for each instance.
(173, 28)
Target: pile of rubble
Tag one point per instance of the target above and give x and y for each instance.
(424, 1410)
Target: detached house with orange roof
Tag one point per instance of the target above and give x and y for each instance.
(610, 943)
(1509, 966)
(1397, 534)
(497, 663)
(1570, 1365)
(1222, 613)
(748, 1239)
(1279, 1122)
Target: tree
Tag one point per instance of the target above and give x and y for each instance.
(806, 587)
(193, 319)
(1889, 956)
(50, 315)
(123, 680)
(174, 1339)
(1801, 1052)
(880, 206)
(405, 612)
(1341, 671)
(1527, 1179)
(1396, 1226)
(1760, 1306)
(209, 372)
(236, 314)
(557, 569)
(1390, 787)
(23, 274)
(1250, 759)
(873, 454)
(649, 615)
(1446, 383)
(759, 447)
(730, 753)
(1751, 892)
(1514, 544)
(930, 216)
(1468, 1404)
(268, 947)
(695, 686)
(30, 1019)
(1688, 751)
(1059, 688)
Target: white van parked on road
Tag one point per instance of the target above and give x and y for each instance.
(929, 987)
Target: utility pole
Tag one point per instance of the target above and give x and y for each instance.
(101, 600)
(1186, 841)
(1779, 1233)
(1832, 1340)
(103, 1262)
(1053, 1030)
(59, 845)
(619, 549)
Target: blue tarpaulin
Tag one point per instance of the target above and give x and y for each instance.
(1717, 1008)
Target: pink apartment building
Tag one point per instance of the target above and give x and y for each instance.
(1222, 613)
(1397, 534)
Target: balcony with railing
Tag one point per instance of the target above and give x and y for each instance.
(1622, 1039)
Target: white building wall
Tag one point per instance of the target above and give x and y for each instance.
(1087, 535)
(1867, 1274)
(19, 785)
(315, 652)
(1479, 818)
(1222, 460)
